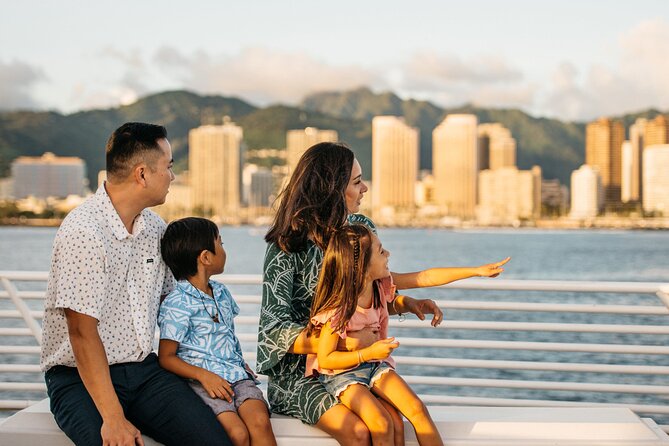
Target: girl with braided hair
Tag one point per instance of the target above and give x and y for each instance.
(353, 292)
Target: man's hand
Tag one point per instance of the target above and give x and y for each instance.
(216, 386)
(118, 431)
(491, 269)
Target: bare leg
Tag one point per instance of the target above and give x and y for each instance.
(255, 415)
(235, 428)
(363, 403)
(344, 426)
(392, 388)
(398, 421)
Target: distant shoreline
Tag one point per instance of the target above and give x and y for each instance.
(543, 224)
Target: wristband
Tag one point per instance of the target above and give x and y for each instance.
(402, 317)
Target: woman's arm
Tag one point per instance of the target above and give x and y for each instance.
(215, 386)
(277, 330)
(419, 307)
(441, 276)
(330, 358)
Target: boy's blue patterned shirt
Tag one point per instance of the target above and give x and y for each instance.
(203, 342)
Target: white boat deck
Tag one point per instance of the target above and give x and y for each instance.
(465, 426)
(583, 360)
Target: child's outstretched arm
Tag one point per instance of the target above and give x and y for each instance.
(215, 386)
(441, 276)
(330, 358)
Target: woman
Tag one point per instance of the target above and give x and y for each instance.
(323, 193)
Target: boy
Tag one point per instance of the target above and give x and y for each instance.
(197, 338)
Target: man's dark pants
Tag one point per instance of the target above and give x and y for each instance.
(159, 404)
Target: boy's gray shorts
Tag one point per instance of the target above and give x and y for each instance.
(244, 390)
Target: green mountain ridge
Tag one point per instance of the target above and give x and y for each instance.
(558, 147)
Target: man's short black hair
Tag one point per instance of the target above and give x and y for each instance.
(129, 144)
(183, 241)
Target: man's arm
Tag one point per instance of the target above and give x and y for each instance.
(93, 367)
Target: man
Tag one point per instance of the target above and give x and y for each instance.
(101, 305)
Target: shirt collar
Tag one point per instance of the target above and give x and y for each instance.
(116, 224)
(189, 289)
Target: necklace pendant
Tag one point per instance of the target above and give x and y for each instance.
(215, 319)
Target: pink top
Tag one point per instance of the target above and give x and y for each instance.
(376, 318)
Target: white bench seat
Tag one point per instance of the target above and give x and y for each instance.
(459, 426)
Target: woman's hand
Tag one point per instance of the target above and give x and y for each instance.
(491, 269)
(357, 340)
(421, 307)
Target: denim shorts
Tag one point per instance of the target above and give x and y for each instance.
(365, 374)
(244, 390)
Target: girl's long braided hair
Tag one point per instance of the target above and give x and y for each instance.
(343, 275)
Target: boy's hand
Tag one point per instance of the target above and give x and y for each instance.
(380, 349)
(216, 386)
(491, 269)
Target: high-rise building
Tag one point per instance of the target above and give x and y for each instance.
(455, 165)
(258, 186)
(586, 192)
(214, 160)
(507, 195)
(497, 148)
(603, 144)
(657, 131)
(298, 141)
(554, 197)
(627, 172)
(394, 163)
(655, 179)
(48, 176)
(632, 190)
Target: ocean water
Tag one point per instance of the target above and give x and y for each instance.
(638, 256)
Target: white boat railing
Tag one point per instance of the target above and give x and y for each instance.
(631, 364)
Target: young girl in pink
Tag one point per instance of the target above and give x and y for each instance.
(353, 292)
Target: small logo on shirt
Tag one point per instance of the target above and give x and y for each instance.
(149, 260)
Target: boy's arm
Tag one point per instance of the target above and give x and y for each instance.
(441, 276)
(93, 367)
(215, 386)
(330, 358)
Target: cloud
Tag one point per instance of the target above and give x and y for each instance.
(261, 75)
(485, 80)
(16, 82)
(123, 80)
(636, 80)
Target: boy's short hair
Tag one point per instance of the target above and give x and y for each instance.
(183, 241)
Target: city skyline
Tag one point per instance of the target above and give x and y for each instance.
(569, 61)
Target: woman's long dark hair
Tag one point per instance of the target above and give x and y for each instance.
(313, 204)
(343, 275)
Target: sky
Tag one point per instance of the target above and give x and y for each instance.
(572, 60)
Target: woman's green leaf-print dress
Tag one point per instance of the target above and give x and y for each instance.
(289, 284)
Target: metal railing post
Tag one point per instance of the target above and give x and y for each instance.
(32, 324)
